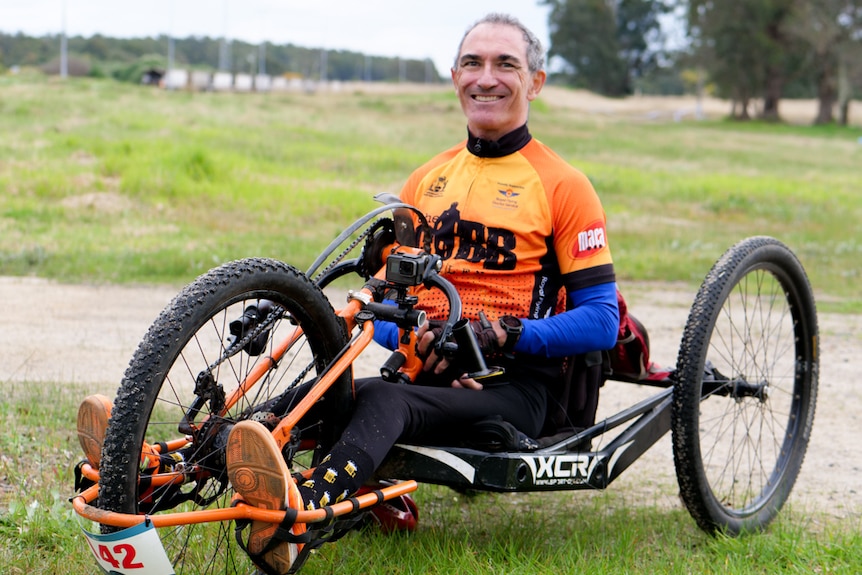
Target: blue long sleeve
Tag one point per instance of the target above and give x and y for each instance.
(386, 334)
(591, 325)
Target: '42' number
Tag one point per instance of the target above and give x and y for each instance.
(123, 551)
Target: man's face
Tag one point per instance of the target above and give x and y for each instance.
(493, 81)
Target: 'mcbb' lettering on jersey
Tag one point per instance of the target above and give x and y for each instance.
(494, 247)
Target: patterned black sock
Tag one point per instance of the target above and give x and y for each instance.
(337, 477)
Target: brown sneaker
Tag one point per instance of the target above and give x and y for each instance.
(93, 415)
(258, 472)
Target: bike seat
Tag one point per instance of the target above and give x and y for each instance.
(496, 434)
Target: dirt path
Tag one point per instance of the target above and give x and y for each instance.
(86, 335)
(638, 107)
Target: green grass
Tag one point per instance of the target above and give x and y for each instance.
(109, 182)
(580, 535)
(591, 532)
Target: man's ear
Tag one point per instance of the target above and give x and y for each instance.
(536, 83)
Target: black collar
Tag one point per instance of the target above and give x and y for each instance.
(508, 144)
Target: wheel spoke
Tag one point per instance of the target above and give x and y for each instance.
(753, 323)
(188, 364)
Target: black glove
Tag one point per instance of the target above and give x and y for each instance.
(485, 335)
(435, 326)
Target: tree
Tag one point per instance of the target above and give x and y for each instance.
(850, 76)
(606, 44)
(779, 54)
(122, 58)
(833, 30)
(745, 47)
(98, 47)
(724, 44)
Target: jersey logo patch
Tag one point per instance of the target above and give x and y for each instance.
(507, 199)
(590, 241)
(437, 187)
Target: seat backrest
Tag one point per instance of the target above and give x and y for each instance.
(574, 398)
(630, 357)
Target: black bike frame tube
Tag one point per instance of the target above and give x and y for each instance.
(551, 469)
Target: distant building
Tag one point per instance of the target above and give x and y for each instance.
(177, 79)
(152, 77)
(262, 83)
(222, 81)
(201, 80)
(243, 83)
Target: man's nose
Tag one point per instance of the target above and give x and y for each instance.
(488, 76)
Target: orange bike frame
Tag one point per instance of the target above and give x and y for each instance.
(81, 503)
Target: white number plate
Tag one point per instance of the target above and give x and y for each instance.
(133, 551)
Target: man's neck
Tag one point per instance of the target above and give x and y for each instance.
(508, 144)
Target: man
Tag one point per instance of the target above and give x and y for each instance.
(515, 226)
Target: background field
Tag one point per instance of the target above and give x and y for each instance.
(104, 184)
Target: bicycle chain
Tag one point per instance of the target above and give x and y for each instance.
(340, 257)
(234, 348)
(277, 311)
(239, 344)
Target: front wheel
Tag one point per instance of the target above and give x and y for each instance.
(164, 447)
(746, 387)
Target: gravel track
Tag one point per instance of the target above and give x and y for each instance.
(85, 335)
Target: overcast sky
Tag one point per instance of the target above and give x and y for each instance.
(410, 29)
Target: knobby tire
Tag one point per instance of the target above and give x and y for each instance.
(746, 387)
(187, 339)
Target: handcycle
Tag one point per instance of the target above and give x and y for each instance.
(739, 403)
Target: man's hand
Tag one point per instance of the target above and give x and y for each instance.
(426, 336)
(490, 335)
(465, 382)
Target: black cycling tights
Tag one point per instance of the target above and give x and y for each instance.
(386, 413)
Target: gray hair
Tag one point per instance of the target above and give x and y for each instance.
(535, 52)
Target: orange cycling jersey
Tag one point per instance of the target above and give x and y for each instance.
(513, 229)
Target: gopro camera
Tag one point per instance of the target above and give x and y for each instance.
(406, 269)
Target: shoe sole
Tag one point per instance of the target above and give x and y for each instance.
(93, 415)
(258, 472)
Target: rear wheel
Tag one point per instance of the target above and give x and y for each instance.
(197, 352)
(746, 387)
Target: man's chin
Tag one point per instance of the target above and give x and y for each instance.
(487, 127)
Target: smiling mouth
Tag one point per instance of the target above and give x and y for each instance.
(483, 98)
